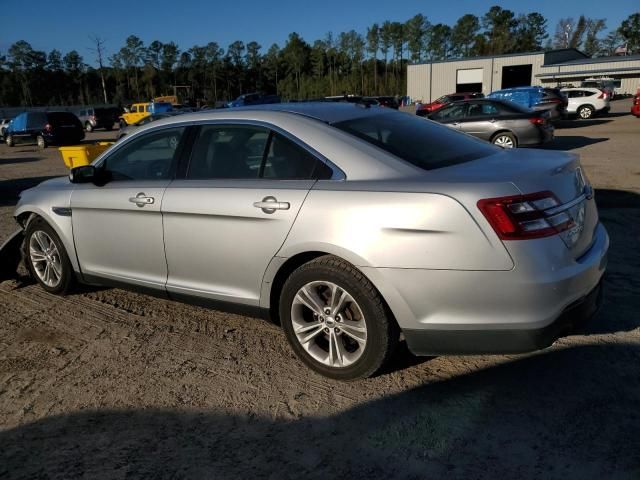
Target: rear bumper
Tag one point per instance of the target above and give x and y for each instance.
(526, 308)
(473, 342)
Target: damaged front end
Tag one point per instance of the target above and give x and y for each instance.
(11, 255)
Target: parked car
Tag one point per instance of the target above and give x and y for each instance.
(253, 99)
(424, 109)
(635, 108)
(145, 121)
(98, 117)
(44, 128)
(347, 225)
(138, 111)
(607, 85)
(387, 101)
(536, 98)
(500, 122)
(586, 102)
(4, 124)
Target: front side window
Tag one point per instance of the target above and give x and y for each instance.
(150, 157)
(451, 113)
(420, 142)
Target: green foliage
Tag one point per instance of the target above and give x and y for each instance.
(348, 62)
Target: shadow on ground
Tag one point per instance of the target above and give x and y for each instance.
(569, 142)
(569, 413)
(10, 160)
(566, 124)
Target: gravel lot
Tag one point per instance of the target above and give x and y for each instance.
(109, 384)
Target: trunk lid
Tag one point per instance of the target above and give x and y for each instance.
(533, 171)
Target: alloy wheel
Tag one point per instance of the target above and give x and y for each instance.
(45, 258)
(503, 141)
(329, 324)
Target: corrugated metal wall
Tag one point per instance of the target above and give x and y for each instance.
(426, 82)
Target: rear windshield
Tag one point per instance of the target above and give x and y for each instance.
(416, 140)
(62, 118)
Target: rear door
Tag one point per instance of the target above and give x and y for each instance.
(230, 214)
(480, 120)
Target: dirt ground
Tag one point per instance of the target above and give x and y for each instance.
(109, 384)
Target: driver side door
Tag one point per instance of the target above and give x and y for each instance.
(117, 227)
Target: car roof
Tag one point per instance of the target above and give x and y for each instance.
(327, 112)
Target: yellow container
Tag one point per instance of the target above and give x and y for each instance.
(78, 155)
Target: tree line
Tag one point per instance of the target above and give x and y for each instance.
(369, 63)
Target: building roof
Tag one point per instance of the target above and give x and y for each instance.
(585, 61)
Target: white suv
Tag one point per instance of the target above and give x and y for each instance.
(586, 102)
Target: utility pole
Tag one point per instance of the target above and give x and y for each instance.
(99, 51)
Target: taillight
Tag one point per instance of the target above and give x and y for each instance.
(537, 120)
(47, 127)
(602, 95)
(522, 217)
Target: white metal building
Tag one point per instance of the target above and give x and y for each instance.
(428, 81)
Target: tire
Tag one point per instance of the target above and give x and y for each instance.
(39, 236)
(504, 140)
(363, 308)
(123, 124)
(585, 112)
(42, 143)
(10, 141)
(88, 127)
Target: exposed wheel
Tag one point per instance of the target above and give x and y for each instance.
(335, 319)
(504, 140)
(41, 142)
(88, 127)
(10, 141)
(585, 112)
(46, 258)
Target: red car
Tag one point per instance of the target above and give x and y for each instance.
(424, 109)
(635, 108)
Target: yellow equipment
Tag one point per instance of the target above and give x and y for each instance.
(77, 155)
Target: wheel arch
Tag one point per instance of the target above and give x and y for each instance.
(281, 268)
(505, 130)
(27, 213)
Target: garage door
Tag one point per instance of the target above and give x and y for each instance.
(469, 80)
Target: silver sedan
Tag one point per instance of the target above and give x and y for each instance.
(349, 225)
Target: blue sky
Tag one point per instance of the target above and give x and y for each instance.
(66, 25)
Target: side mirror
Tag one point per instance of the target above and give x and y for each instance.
(83, 174)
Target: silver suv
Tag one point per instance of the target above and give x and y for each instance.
(347, 224)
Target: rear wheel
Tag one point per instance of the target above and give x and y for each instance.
(504, 140)
(585, 112)
(46, 258)
(10, 141)
(41, 141)
(336, 321)
(88, 127)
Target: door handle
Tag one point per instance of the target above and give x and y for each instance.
(141, 200)
(271, 204)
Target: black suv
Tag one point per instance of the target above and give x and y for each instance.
(45, 128)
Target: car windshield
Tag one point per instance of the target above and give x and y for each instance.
(420, 142)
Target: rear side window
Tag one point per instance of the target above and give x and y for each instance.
(62, 118)
(36, 120)
(287, 161)
(420, 142)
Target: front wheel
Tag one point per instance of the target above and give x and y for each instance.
(10, 141)
(504, 140)
(336, 321)
(46, 257)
